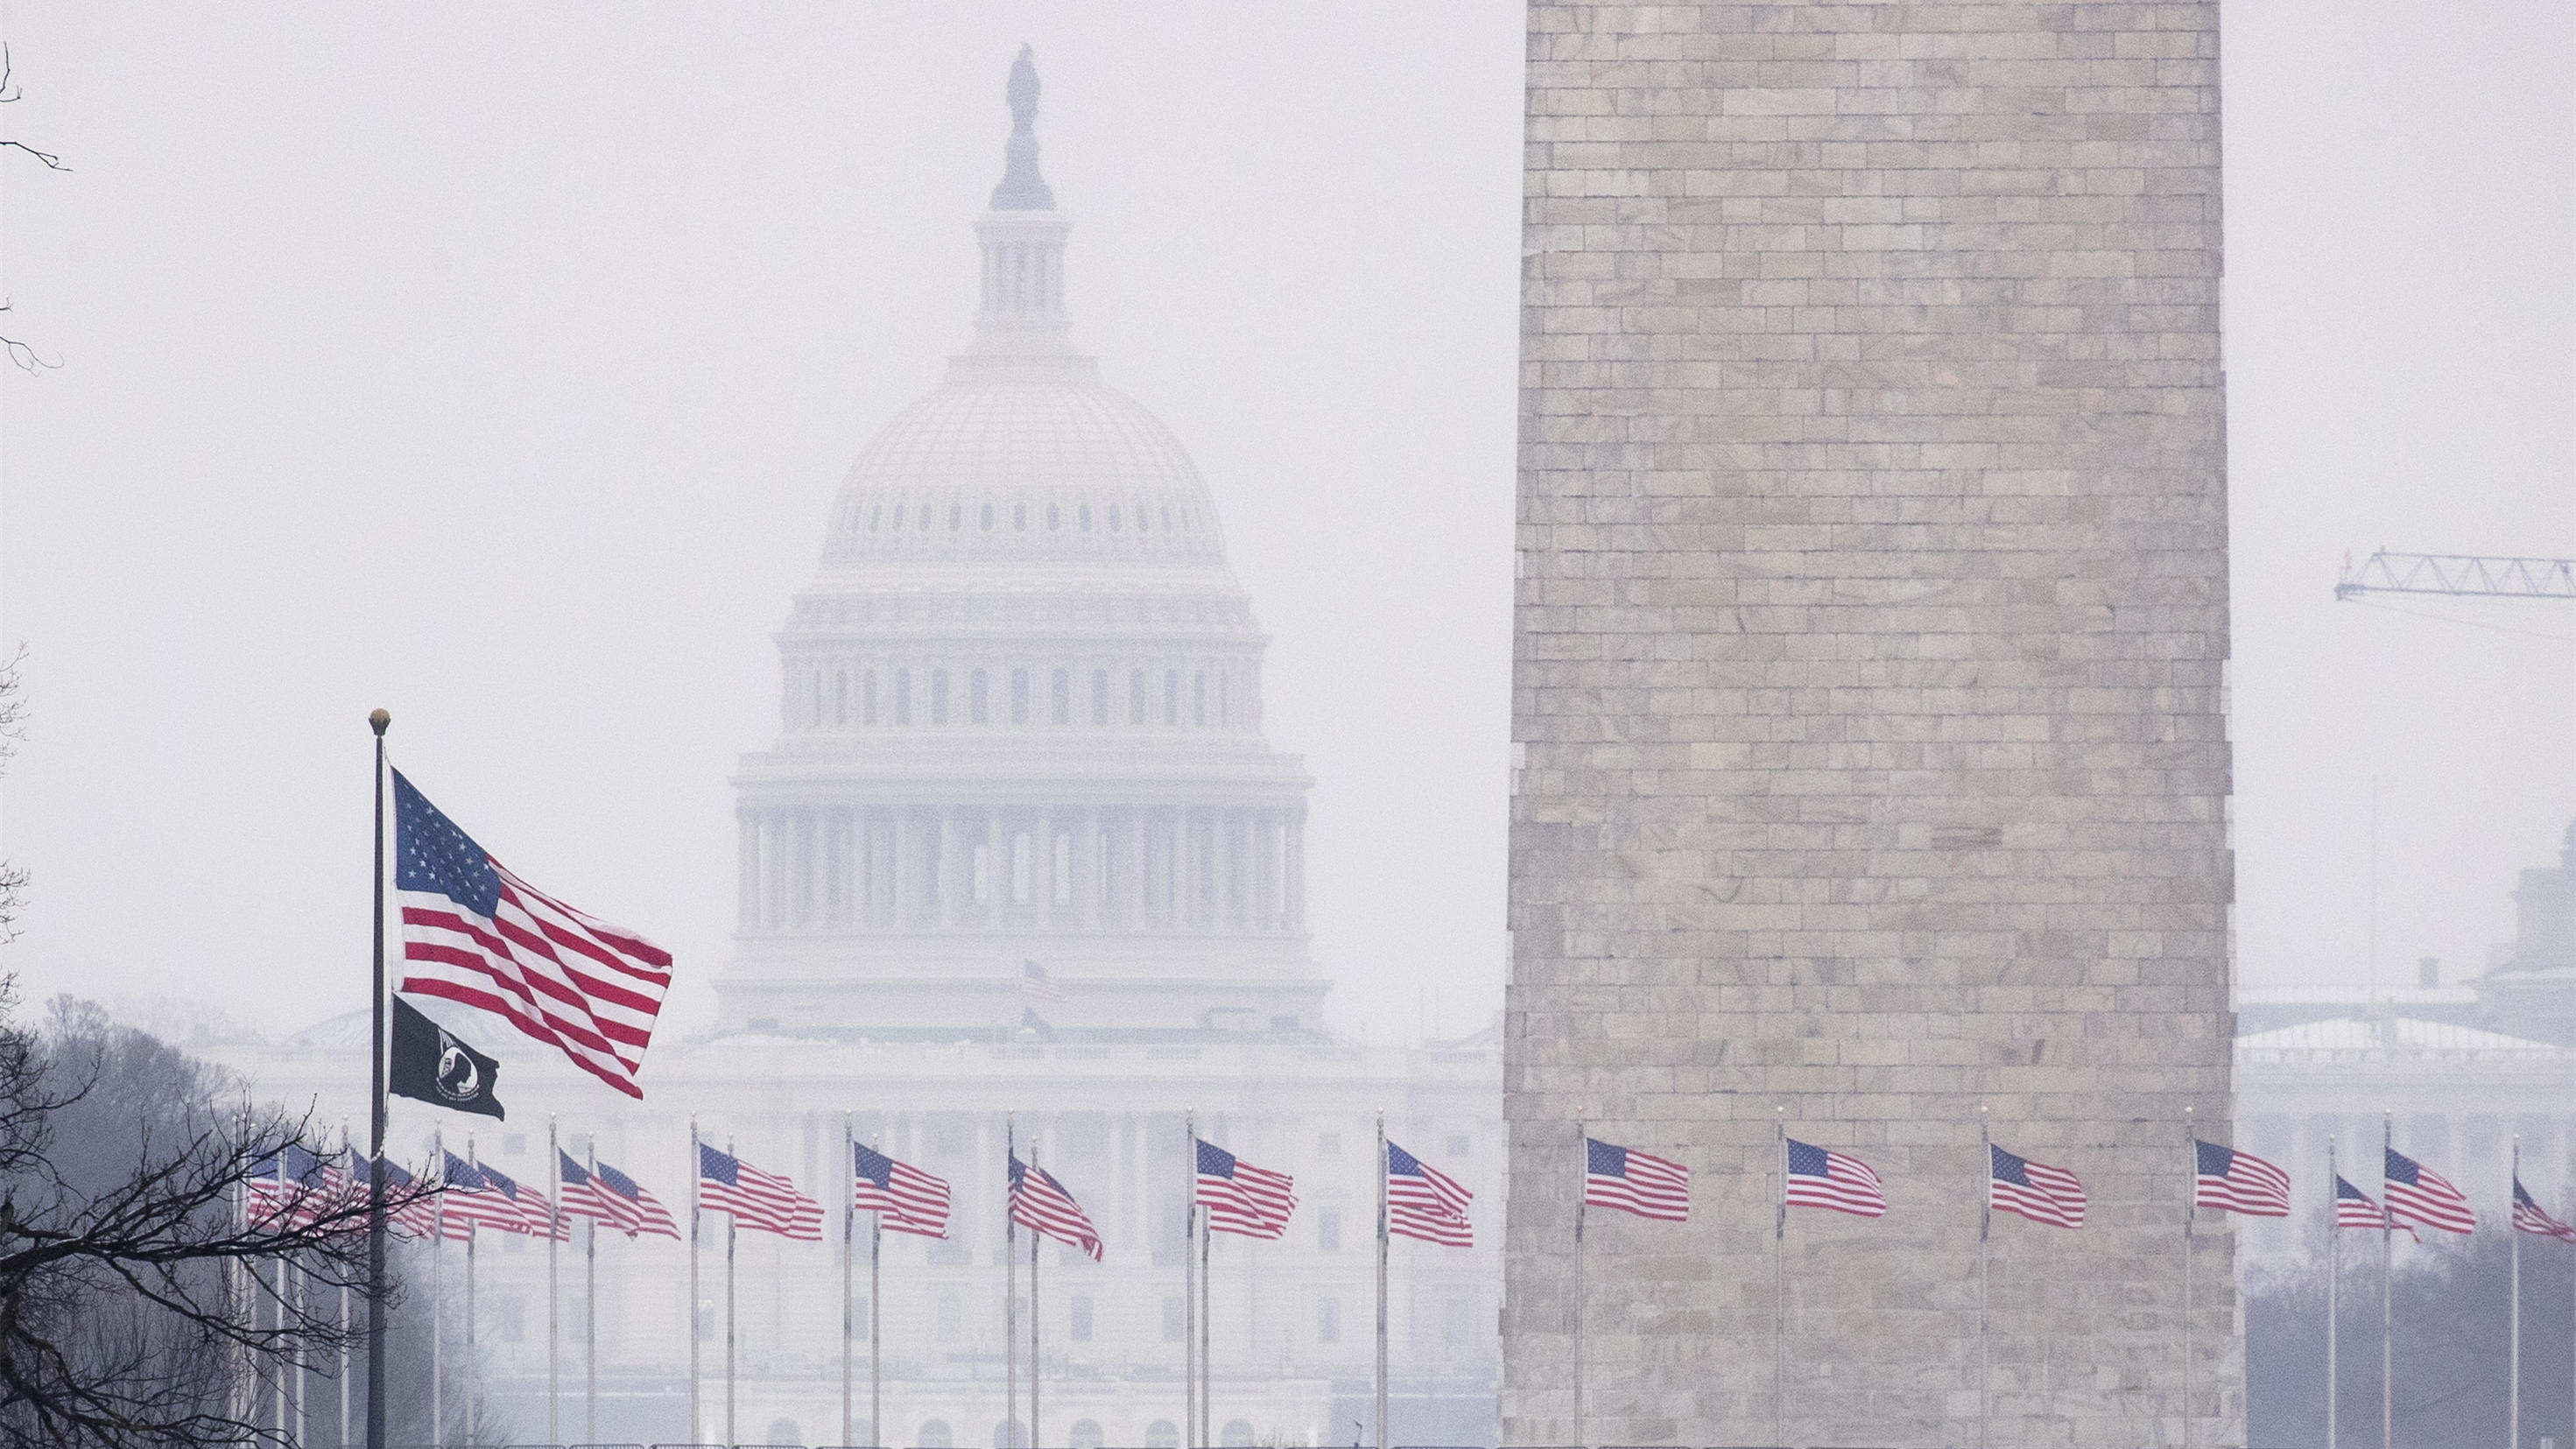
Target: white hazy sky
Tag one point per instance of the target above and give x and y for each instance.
(496, 363)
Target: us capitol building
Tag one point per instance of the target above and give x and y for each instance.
(1020, 725)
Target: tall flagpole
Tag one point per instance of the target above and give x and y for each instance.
(1583, 1167)
(2334, 1279)
(377, 721)
(1010, 1287)
(1207, 1335)
(438, 1295)
(347, 1150)
(849, 1245)
(1985, 1233)
(1382, 1440)
(473, 1359)
(733, 1221)
(1780, 1286)
(2513, 1334)
(554, 1322)
(876, 1317)
(1190, 1283)
(1034, 1235)
(697, 1421)
(2190, 1207)
(590, 1297)
(2387, 1265)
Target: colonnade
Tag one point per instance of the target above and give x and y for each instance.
(1233, 870)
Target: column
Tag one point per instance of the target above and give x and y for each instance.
(773, 873)
(953, 897)
(1042, 866)
(899, 910)
(1131, 873)
(747, 871)
(818, 869)
(1090, 866)
(1292, 915)
(997, 869)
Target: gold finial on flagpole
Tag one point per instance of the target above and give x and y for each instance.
(377, 719)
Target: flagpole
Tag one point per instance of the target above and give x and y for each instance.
(2190, 1209)
(1207, 1335)
(1985, 1233)
(849, 1245)
(1382, 1440)
(733, 1221)
(1583, 1165)
(473, 1364)
(1780, 1286)
(2387, 1258)
(876, 1317)
(1034, 1235)
(346, 1151)
(438, 1298)
(1010, 1284)
(590, 1297)
(377, 720)
(2513, 1334)
(554, 1322)
(2334, 1279)
(1190, 1284)
(697, 1166)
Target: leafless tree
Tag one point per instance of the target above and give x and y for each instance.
(19, 352)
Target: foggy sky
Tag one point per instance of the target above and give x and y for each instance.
(497, 364)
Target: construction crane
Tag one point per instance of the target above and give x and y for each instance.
(2461, 575)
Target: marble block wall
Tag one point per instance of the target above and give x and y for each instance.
(1872, 771)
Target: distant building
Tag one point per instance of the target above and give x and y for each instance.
(1020, 847)
(2464, 1069)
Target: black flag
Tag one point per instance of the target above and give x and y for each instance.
(430, 1065)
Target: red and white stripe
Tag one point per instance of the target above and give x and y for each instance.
(1252, 1202)
(1847, 1184)
(630, 1207)
(2053, 1197)
(2530, 1217)
(577, 983)
(762, 1200)
(1644, 1184)
(2429, 1199)
(912, 1201)
(1424, 1203)
(2247, 1184)
(1040, 1204)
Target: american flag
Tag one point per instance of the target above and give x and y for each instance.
(535, 1212)
(1240, 1198)
(417, 1218)
(2238, 1182)
(1635, 1182)
(1037, 986)
(757, 1199)
(467, 1200)
(578, 1194)
(630, 1206)
(2034, 1190)
(1040, 1204)
(292, 1189)
(475, 933)
(2354, 1209)
(1422, 1202)
(2530, 1217)
(903, 1197)
(1819, 1178)
(2417, 1193)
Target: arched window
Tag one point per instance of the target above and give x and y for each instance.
(903, 696)
(988, 518)
(781, 1431)
(1238, 1434)
(939, 696)
(1144, 520)
(874, 515)
(1019, 696)
(925, 518)
(1160, 1434)
(1171, 698)
(1020, 868)
(1061, 703)
(1051, 518)
(1020, 516)
(1198, 699)
(1010, 1434)
(1135, 696)
(1100, 697)
(868, 697)
(978, 710)
(1113, 518)
(932, 1435)
(1085, 1434)
(1085, 513)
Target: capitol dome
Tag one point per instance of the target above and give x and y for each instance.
(1020, 784)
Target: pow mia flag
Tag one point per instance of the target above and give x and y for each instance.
(430, 1065)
